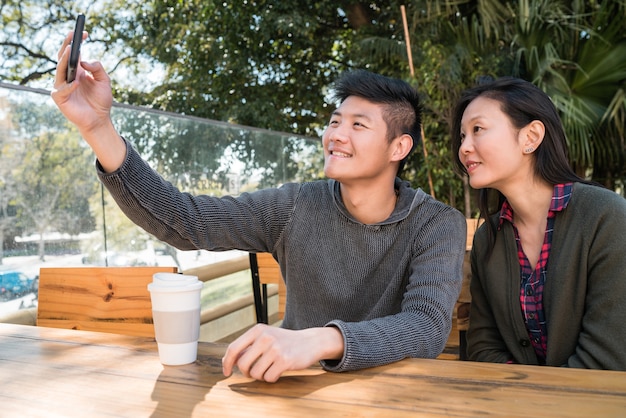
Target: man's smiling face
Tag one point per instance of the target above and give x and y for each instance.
(355, 141)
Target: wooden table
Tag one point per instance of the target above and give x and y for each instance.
(47, 372)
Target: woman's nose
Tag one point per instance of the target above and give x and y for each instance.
(466, 146)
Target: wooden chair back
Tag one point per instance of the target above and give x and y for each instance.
(464, 302)
(472, 226)
(105, 299)
(265, 270)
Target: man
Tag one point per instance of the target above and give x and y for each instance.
(372, 267)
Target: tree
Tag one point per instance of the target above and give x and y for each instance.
(9, 150)
(32, 32)
(52, 189)
(576, 52)
(258, 63)
(572, 50)
(269, 64)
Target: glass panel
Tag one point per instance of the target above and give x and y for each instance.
(54, 211)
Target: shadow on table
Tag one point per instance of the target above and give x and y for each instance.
(179, 389)
(296, 385)
(195, 381)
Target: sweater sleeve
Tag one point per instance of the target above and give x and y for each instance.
(422, 327)
(485, 343)
(250, 222)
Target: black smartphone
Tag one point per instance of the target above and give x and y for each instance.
(75, 51)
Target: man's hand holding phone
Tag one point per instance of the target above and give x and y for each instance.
(87, 101)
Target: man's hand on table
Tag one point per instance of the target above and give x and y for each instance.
(265, 352)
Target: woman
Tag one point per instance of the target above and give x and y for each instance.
(549, 265)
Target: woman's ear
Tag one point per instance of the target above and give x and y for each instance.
(401, 147)
(533, 135)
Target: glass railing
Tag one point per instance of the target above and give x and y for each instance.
(54, 212)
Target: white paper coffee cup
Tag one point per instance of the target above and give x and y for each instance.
(176, 316)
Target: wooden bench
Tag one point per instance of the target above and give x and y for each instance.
(464, 301)
(105, 299)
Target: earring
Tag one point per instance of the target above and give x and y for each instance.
(529, 150)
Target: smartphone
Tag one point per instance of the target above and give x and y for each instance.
(75, 51)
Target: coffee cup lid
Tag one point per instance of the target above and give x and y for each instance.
(173, 282)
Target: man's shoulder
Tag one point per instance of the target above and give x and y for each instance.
(316, 187)
(299, 187)
(429, 214)
(317, 190)
(437, 205)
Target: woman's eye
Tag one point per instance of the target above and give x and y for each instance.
(477, 128)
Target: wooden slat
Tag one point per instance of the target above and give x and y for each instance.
(269, 273)
(464, 300)
(106, 299)
(472, 226)
(219, 269)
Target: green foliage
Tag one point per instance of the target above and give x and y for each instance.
(573, 50)
(576, 52)
(51, 188)
(269, 64)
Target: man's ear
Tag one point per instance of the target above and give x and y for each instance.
(533, 135)
(401, 147)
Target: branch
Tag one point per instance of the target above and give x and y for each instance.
(28, 51)
(34, 76)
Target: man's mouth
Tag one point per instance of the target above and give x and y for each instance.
(340, 154)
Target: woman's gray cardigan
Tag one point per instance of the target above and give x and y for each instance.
(584, 296)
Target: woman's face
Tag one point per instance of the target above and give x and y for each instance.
(491, 147)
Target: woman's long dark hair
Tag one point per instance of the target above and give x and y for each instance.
(522, 102)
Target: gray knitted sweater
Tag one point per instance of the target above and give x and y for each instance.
(390, 288)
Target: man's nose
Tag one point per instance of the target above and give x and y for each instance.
(339, 133)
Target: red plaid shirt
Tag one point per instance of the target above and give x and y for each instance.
(532, 281)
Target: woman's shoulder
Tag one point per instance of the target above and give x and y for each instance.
(598, 197)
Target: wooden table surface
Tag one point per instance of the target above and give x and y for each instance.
(47, 372)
